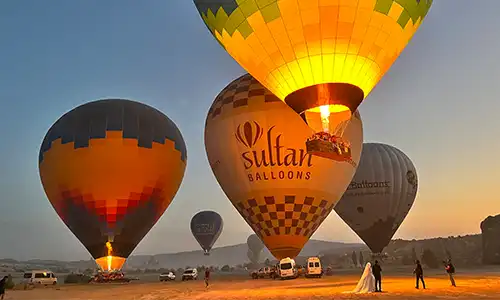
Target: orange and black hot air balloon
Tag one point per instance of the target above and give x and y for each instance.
(110, 168)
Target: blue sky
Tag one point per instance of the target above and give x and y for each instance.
(438, 104)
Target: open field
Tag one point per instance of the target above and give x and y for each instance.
(471, 286)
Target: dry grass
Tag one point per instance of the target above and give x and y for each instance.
(470, 287)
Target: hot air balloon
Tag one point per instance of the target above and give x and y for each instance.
(321, 58)
(254, 144)
(255, 247)
(206, 227)
(110, 168)
(254, 243)
(380, 195)
(254, 258)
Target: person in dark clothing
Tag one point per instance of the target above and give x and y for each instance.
(207, 276)
(3, 282)
(450, 269)
(419, 274)
(377, 273)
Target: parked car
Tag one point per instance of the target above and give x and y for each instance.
(43, 277)
(169, 276)
(288, 269)
(190, 274)
(266, 272)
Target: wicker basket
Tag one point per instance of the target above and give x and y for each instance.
(327, 150)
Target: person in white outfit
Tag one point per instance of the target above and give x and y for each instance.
(367, 282)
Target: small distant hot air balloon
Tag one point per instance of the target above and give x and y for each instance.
(320, 57)
(110, 168)
(380, 195)
(255, 247)
(252, 257)
(254, 243)
(254, 144)
(206, 227)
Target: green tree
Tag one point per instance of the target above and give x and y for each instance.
(414, 254)
(9, 284)
(354, 258)
(407, 260)
(430, 259)
(225, 268)
(267, 262)
(448, 253)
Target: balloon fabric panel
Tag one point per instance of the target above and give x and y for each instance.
(237, 94)
(111, 168)
(291, 44)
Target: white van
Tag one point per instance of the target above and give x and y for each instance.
(43, 277)
(313, 267)
(288, 268)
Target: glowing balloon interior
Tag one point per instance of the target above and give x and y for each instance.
(316, 54)
(110, 168)
(380, 195)
(255, 146)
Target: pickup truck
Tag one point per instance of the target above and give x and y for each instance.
(169, 276)
(267, 272)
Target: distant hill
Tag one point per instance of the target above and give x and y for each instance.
(228, 255)
(465, 250)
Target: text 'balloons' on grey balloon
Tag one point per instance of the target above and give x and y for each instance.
(206, 227)
(380, 195)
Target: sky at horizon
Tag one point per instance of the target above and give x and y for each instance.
(437, 104)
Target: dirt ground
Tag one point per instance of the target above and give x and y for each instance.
(470, 286)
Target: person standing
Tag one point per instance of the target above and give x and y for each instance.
(450, 269)
(207, 277)
(3, 283)
(419, 274)
(377, 273)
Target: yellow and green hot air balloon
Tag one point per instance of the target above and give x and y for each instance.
(321, 57)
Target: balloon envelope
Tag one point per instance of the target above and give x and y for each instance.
(255, 147)
(110, 168)
(293, 45)
(380, 195)
(253, 257)
(206, 227)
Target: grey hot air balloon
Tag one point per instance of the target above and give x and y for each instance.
(252, 257)
(380, 195)
(255, 245)
(206, 227)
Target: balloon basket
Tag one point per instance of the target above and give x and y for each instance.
(329, 147)
(206, 253)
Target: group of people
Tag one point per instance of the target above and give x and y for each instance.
(341, 146)
(371, 280)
